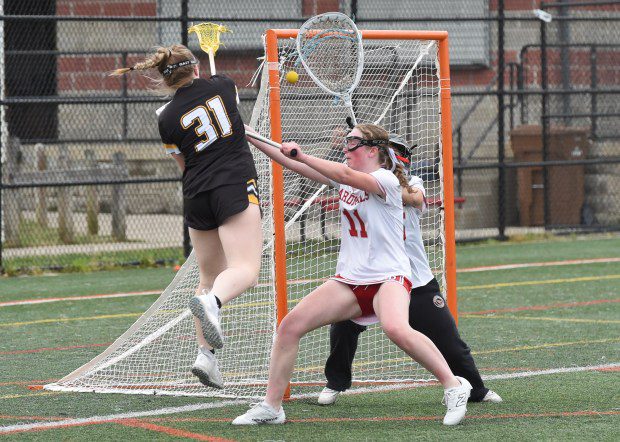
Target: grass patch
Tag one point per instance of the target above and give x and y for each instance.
(561, 406)
(538, 250)
(32, 234)
(89, 262)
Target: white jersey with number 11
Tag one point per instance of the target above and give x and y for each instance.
(372, 249)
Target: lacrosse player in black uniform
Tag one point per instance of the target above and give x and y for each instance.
(202, 129)
(428, 312)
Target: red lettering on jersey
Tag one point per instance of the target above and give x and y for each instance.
(351, 198)
(352, 228)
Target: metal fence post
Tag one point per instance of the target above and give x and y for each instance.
(593, 86)
(500, 121)
(41, 192)
(124, 94)
(92, 198)
(543, 116)
(2, 147)
(187, 249)
(353, 10)
(565, 37)
(119, 198)
(66, 223)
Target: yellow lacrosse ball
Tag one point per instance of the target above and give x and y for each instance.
(292, 77)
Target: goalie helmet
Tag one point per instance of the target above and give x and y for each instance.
(399, 143)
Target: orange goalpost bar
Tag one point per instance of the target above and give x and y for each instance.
(277, 176)
(277, 183)
(448, 178)
(272, 37)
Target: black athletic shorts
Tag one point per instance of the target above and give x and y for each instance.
(208, 210)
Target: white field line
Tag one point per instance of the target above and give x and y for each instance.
(537, 264)
(522, 374)
(196, 407)
(112, 417)
(78, 298)
(306, 281)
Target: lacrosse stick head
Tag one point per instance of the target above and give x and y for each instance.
(330, 48)
(208, 36)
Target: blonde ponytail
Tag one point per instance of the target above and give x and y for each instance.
(155, 60)
(176, 60)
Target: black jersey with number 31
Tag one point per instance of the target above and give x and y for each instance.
(202, 121)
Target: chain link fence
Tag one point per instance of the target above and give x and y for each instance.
(571, 126)
(85, 182)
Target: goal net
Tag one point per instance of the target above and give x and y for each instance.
(400, 89)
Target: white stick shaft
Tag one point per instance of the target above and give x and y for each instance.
(263, 139)
(212, 62)
(348, 102)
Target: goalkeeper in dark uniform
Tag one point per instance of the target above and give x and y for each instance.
(202, 129)
(428, 312)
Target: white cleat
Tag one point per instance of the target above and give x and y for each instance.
(493, 397)
(455, 399)
(261, 414)
(328, 396)
(205, 309)
(206, 370)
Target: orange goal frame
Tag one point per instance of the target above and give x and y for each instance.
(272, 37)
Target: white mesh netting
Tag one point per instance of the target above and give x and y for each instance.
(399, 89)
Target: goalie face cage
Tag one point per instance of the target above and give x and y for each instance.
(405, 84)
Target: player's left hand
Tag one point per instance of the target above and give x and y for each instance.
(291, 150)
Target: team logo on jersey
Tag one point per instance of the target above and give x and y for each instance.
(438, 301)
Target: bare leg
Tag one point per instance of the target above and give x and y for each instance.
(310, 314)
(241, 237)
(391, 306)
(228, 258)
(211, 262)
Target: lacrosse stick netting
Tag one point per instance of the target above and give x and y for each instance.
(330, 48)
(209, 39)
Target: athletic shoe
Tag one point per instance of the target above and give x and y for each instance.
(204, 307)
(328, 396)
(455, 399)
(205, 368)
(261, 414)
(493, 397)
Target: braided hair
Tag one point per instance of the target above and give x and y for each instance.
(174, 64)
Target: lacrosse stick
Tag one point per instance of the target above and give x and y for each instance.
(269, 141)
(329, 47)
(209, 39)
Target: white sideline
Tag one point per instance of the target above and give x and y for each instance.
(537, 264)
(464, 270)
(78, 298)
(113, 417)
(197, 407)
(522, 374)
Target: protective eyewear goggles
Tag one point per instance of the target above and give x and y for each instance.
(352, 143)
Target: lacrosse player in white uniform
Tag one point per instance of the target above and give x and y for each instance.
(373, 273)
(428, 312)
